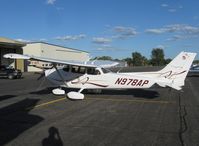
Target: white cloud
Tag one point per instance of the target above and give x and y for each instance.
(179, 31)
(195, 17)
(183, 28)
(101, 40)
(179, 28)
(59, 8)
(172, 10)
(122, 32)
(155, 30)
(109, 49)
(164, 5)
(50, 2)
(160, 46)
(71, 37)
(176, 38)
(43, 40)
(23, 40)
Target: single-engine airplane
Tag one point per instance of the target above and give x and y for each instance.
(94, 75)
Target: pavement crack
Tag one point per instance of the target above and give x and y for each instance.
(183, 122)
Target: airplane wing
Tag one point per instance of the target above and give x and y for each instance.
(95, 63)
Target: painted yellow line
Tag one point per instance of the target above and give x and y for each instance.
(106, 99)
(50, 102)
(130, 100)
(46, 103)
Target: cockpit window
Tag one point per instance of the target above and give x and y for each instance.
(97, 72)
(83, 70)
(90, 71)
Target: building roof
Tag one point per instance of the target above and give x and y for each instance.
(58, 46)
(10, 43)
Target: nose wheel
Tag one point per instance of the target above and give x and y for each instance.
(58, 91)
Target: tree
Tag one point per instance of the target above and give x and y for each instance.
(103, 58)
(167, 61)
(157, 57)
(196, 62)
(128, 60)
(138, 59)
(145, 61)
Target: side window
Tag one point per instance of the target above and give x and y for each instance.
(66, 68)
(75, 69)
(82, 70)
(90, 71)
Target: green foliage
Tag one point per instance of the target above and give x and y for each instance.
(157, 57)
(138, 59)
(167, 61)
(128, 60)
(103, 58)
(196, 62)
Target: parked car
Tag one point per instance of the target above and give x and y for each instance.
(194, 71)
(9, 72)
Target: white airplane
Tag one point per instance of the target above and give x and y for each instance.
(94, 75)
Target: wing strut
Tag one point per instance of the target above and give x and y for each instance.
(59, 91)
(60, 75)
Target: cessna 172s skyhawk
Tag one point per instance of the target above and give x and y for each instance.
(93, 75)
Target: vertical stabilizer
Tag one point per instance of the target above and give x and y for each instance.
(176, 71)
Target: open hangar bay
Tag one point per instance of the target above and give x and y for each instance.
(31, 115)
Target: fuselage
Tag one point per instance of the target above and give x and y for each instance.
(98, 79)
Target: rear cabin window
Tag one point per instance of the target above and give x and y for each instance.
(66, 68)
(75, 69)
(82, 70)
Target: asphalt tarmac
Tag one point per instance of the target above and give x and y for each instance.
(31, 115)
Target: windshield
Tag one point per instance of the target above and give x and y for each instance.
(105, 70)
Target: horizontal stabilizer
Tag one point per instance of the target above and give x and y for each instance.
(169, 83)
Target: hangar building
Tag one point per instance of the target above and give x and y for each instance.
(40, 49)
(11, 46)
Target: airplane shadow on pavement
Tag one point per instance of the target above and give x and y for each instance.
(4, 97)
(140, 93)
(15, 119)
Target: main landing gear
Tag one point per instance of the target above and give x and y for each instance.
(71, 95)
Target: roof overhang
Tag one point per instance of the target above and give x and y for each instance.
(9, 43)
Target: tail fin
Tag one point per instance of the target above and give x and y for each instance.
(176, 71)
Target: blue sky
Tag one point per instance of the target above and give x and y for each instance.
(114, 28)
